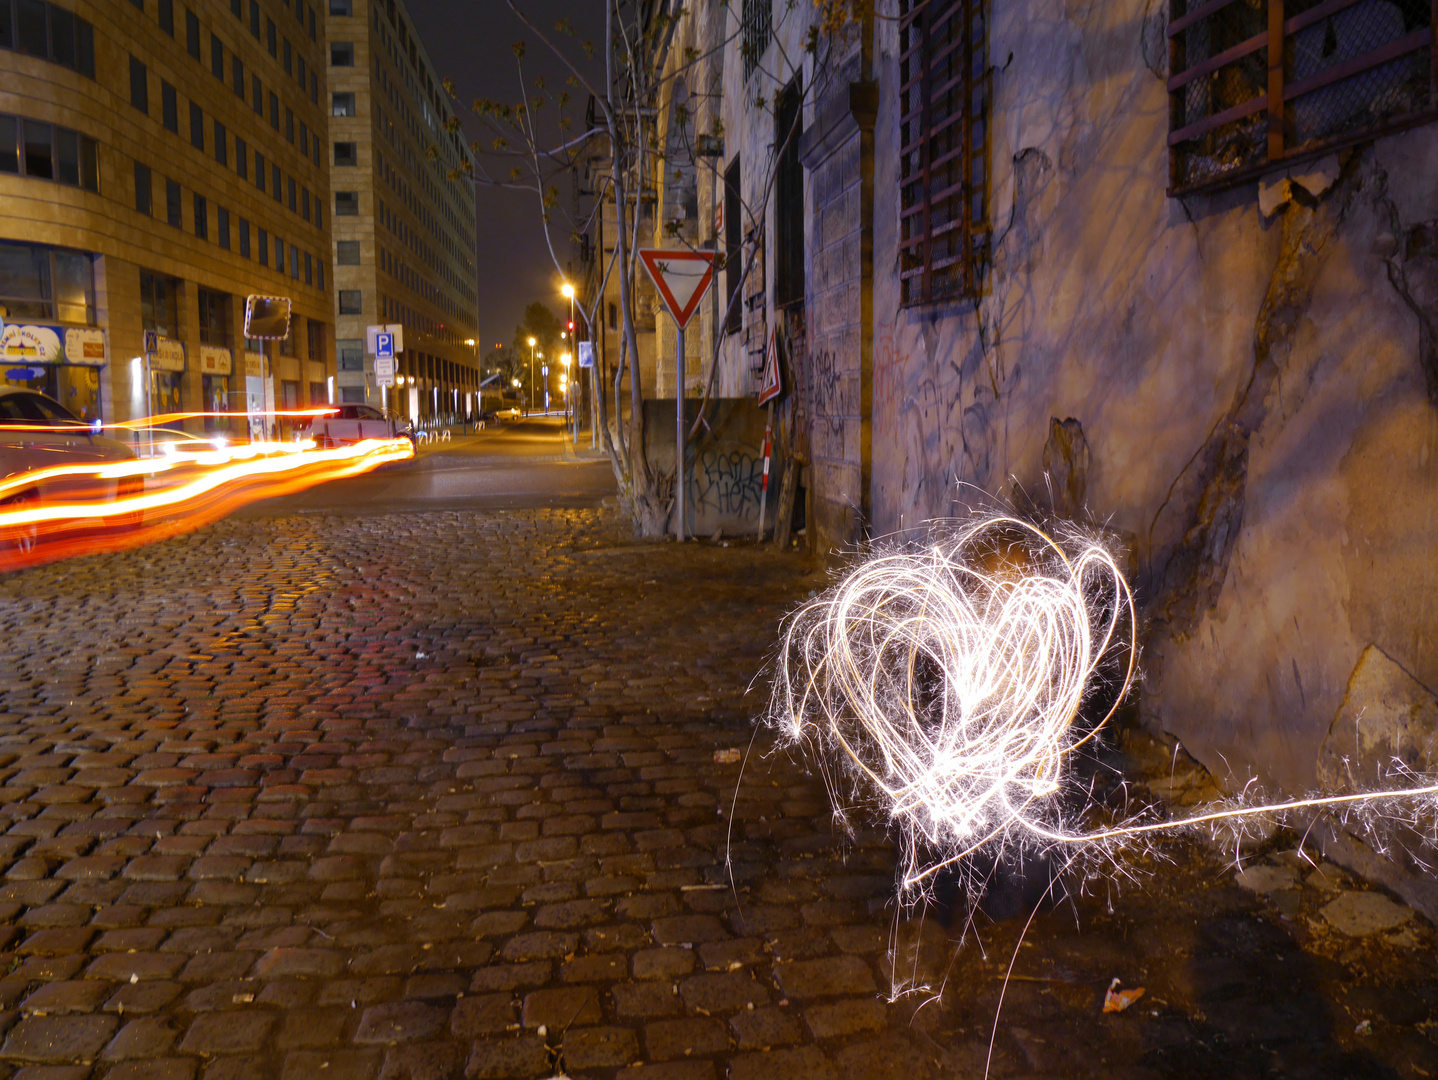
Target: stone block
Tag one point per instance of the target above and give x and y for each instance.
(58, 1039)
(599, 1047)
(669, 1039)
(559, 1009)
(507, 1059)
(483, 1014)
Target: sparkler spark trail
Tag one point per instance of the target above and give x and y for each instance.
(942, 686)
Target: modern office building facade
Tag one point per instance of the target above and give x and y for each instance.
(404, 226)
(158, 163)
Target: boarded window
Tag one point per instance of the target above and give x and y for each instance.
(944, 111)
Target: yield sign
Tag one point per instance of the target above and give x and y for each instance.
(681, 276)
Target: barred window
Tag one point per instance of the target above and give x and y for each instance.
(1255, 84)
(758, 29)
(944, 149)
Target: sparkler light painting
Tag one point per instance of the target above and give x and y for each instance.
(944, 687)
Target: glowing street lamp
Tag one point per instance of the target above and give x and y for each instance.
(532, 343)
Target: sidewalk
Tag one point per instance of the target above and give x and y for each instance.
(439, 795)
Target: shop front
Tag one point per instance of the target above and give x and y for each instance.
(167, 372)
(216, 370)
(62, 361)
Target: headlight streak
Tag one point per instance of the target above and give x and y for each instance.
(940, 685)
(179, 492)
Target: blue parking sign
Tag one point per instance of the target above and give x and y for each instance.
(384, 346)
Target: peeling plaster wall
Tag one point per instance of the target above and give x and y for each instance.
(1255, 394)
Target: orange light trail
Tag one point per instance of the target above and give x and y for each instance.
(180, 493)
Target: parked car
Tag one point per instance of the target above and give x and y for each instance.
(37, 432)
(351, 423)
(514, 412)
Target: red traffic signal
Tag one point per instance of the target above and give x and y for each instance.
(571, 326)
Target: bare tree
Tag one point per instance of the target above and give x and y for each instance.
(624, 83)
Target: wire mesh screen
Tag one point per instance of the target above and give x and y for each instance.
(1255, 83)
(944, 149)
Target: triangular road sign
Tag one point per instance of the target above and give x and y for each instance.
(771, 386)
(681, 276)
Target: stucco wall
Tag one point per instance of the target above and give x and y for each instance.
(1249, 388)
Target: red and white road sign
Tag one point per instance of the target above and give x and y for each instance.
(681, 276)
(771, 386)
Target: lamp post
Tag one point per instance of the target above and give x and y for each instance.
(531, 374)
(568, 292)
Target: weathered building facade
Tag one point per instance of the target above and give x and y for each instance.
(1171, 268)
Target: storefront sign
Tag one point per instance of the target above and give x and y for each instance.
(215, 360)
(38, 344)
(167, 354)
(254, 365)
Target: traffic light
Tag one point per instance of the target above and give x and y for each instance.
(571, 326)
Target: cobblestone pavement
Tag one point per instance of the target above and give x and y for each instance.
(431, 796)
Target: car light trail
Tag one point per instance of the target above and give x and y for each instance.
(942, 685)
(181, 491)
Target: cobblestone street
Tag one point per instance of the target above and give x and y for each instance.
(435, 796)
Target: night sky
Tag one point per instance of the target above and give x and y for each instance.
(469, 41)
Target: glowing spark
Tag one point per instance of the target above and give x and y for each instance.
(943, 684)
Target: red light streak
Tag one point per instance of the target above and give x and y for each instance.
(181, 493)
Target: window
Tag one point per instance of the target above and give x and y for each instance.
(312, 26)
(242, 158)
(289, 60)
(255, 19)
(352, 394)
(158, 305)
(49, 32)
(222, 152)
(279, 255)
(293, 187)
(237, 8)
(38, 282)
(237, 73)
(304, 139)
(258, 93)
(169, 107)
(214, 317)
(202, 217)
(167, 16)
(314, 339)
(271, 37)
(222, 227)
(758, 28)
(733, 251)
(275, 190)
(289, 125)
(314, 79)
(305, 203)
(943, 150)
(274, 110)
(30, 28)
(346, 203)
(244, 238)
(262, 242)
(1253, 86)
(192, 34)
(613, 316)
(351, 302)
(259, 170)
(143, 198)
(347, 253)
(301, 73)
(342, 54)
(197, 127)
(39, 154)
(139, 86)
(351, 354)
(342, 8)
(342, 104)
(217, 57)
(346, 153)
(172, 203)
(788, 198)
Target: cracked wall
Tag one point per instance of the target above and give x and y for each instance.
(1243, 385)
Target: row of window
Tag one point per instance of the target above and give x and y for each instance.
(37, 28)
(299, 197)
(301, 263)
(44, 151)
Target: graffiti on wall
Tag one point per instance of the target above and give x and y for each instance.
(728, 484)
(888, 381)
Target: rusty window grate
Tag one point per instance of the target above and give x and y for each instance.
(944, 149)
(758, 28)
(1255, 84)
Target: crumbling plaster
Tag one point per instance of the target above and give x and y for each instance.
(1249, 388)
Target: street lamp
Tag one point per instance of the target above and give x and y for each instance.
(531, 374)
(567, 291)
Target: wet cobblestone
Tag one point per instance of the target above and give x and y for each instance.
(422, 797)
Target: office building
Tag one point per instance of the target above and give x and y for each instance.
(404, 227)
(158, 163)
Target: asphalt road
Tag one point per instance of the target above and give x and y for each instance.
(524, 464)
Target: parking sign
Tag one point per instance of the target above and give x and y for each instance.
(384, 346)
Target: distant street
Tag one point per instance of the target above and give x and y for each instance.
(510, 466)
